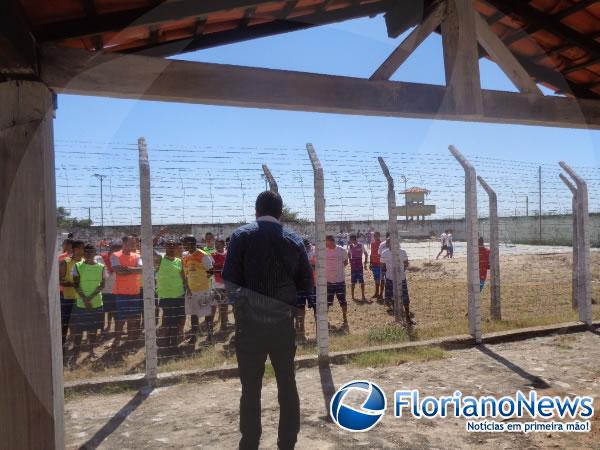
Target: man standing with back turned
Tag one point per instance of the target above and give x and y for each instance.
(266, 267)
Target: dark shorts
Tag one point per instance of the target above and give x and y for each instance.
(389, 291)
(307, 299)
(376, 273)
(129, 307)
(90, 320)
(66, 309)
(338, 290)
(172, 308)
(357, 277)
(444, 247)
(110, 302)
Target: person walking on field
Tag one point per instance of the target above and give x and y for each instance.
(266, 266)
(336, 260)
(444, 242)
(171, 287)
(375, 266)
(356, 250)
(219, 255)
(387, 261)
(484, 263)
(450, 244)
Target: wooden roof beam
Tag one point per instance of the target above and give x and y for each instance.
(393, 62)
(138, 77)
(154, 15)
(461, 59)
(262, 30)
(18, 55)
(504, 58)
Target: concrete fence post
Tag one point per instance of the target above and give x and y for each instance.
(394, 239)
(584, 278)
(270, 179)
(321, 251)
(575, 282)
(496, 305)
(148, 264)
(472, 244)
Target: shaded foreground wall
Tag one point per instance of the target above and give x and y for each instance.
(556, 230)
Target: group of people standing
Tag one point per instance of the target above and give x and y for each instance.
(97, 290)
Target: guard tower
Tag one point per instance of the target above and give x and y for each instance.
(414, 204)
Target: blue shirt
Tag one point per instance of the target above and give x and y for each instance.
(266, 266)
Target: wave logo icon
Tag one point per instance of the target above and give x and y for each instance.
(358, 419)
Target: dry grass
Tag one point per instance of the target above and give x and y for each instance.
(394, 358)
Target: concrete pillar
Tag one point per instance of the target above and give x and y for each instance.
(320, 233)
(31, 381)
(270, 179)
(496, 305)
(472, 245)
(575, 272)
(148, 261)
(394, 239)
(584, 276)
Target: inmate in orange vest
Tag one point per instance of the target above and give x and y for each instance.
(131, 283)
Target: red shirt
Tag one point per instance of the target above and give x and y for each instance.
(484, 262)
(375, 260)
(219, 263)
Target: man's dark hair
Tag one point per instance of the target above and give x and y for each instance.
(125, 239)
(208, 233)
(172, 242)
(189, 238)
(352, 237)
(480, 241)
(329, 237)
(78, 244)
(89, 247)
(68, 242)
(269, 203)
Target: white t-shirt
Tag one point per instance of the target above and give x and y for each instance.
(382, 247)
(449, 239)
(335, 258)
(388, 259)
(444, 239)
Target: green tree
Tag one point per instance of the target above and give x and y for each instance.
(64, 219)
(290, 216)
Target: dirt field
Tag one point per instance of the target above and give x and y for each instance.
(535, 289)
(205, 415)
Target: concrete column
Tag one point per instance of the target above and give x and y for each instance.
(584, 277)
(31, 381)
(575, 272)
(148, 262)
(270, 179)
(472, 245)
(394, 240)
(496, 306)
(320, 233)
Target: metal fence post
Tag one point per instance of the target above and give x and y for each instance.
(270, 179)
(321, 251)
(394, 239)
(472, 244)
(575, 282)
(496, 304)
(148, 264)
(584, 278)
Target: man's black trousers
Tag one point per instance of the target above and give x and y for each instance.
(253, 344)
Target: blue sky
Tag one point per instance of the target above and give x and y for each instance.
(100, 134)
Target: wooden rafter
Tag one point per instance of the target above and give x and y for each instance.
(461, 59)
(262, 30)
(504, 58)
(18, 54)
(433, 20)
(139, 77)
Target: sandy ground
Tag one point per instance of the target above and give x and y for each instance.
(206, 415)
(535, 290)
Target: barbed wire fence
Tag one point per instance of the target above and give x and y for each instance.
(198, 188)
